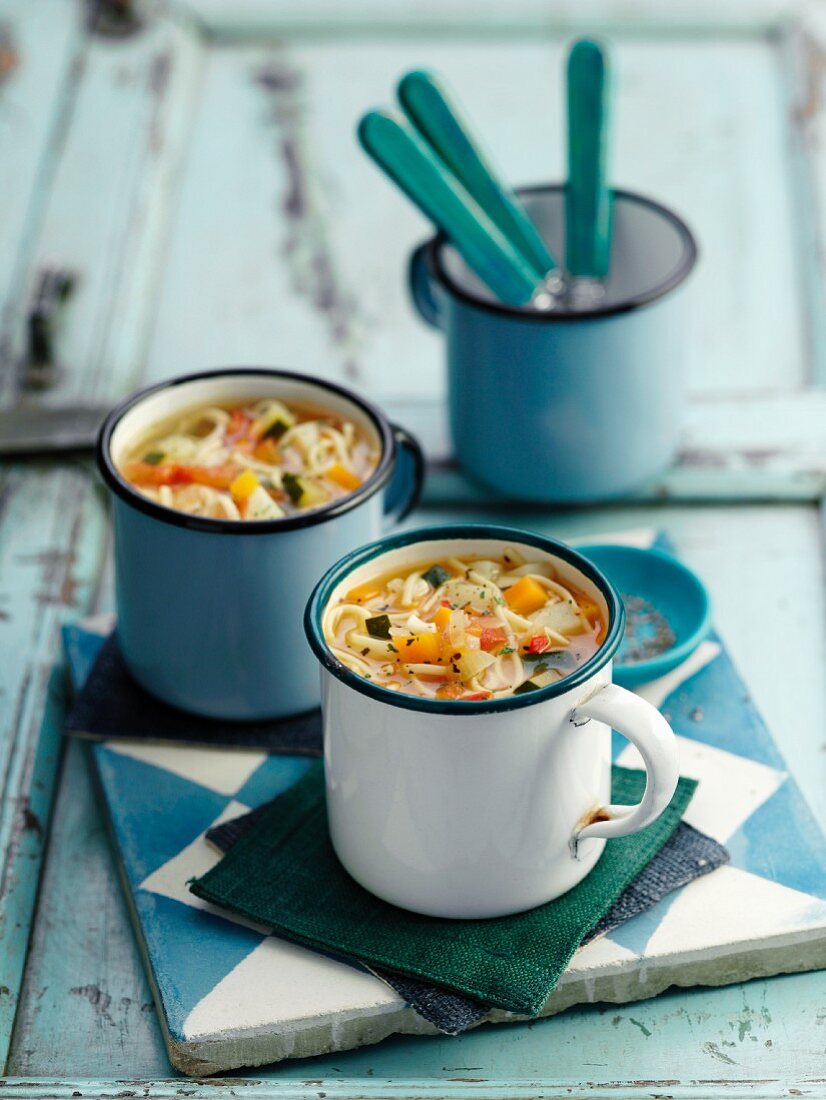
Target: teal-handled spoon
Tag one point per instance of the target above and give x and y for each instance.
(435, 115)
(402, 154)
(588, 198)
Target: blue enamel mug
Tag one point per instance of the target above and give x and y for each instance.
(566, 406)
(210, 610)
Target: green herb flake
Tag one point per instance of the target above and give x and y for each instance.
(378, 626)
(528, 685)
(505, 650)
(392, 648)
(295, 490)
(154, 458)
(500, 600)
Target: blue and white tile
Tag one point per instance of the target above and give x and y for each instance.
(233, 996)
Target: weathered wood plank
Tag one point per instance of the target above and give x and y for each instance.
(77, 947)
(247, 19)
(803, 46)
(106, 211)
(98, 195)
(754, 447)
(51, 543)
(413, 1088)
(739, 552)
(41, 60)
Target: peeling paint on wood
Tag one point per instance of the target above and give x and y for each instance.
(306, 248)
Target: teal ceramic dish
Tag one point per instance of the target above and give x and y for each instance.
(666, 605)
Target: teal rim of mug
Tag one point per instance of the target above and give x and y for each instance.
(121, 487)
(336, 573)
(433, 253)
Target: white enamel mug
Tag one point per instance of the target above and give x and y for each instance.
(480, 809)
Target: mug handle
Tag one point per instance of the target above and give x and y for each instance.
(422, 290)
(405, 487)
(644, 726)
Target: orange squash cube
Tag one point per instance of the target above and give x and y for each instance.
(417, 649)
(526, 596)
(343, 477)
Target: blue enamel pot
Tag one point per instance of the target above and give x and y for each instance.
(210, 611)
(566, 406)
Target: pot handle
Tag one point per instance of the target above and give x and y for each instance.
(645, 728)
(405, 487)
(422, 290)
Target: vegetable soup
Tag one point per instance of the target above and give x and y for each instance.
(254, 461)
(465, 628)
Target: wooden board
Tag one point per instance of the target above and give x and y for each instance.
(230, 996)
(83, 940)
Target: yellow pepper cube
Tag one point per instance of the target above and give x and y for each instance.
(417, 649)
(526, 596)
(244, 485)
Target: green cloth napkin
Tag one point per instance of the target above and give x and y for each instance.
(284, 874)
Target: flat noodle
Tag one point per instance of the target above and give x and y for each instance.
(481, 633)
(194, 462)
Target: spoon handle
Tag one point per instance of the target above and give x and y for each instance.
(588, 200)
(437, 118)
(396, 147)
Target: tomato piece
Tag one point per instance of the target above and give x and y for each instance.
(492, 637)
(539, 643)
(477, 695)
(216, 477)
(144, 473)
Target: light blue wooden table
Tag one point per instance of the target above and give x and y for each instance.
(200, 176)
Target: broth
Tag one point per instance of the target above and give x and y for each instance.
(466, 628)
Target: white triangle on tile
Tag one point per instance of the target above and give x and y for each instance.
(599, 953)
(730, 787)
(657, 691)
(171, 878)
(222, 770)
(730, 907)
(281, 984)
